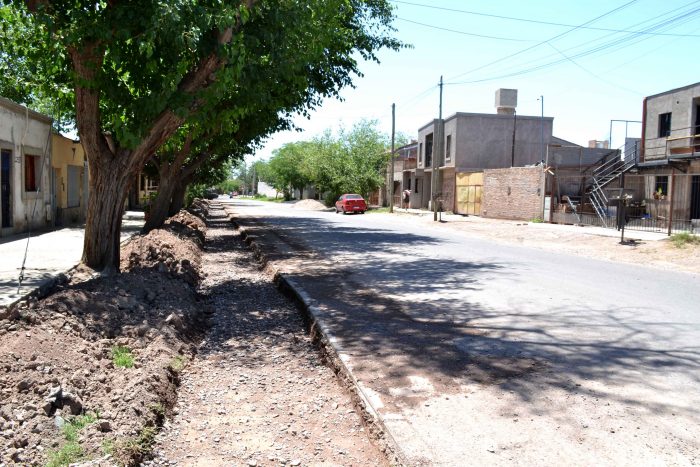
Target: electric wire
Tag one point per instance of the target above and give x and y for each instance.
(463, 32)
(499, 60)
(533, 21)
(613, 45)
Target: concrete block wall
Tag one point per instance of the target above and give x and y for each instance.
(513, 193)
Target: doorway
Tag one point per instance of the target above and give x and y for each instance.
(5, 188)
(695, 197)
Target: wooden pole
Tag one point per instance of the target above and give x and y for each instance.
(393, 158)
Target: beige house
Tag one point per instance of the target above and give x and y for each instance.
(69, 179)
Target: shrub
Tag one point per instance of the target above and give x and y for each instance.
(122, 357)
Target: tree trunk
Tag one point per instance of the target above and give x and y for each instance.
(158, 213)
(109, 185)
(178, 199)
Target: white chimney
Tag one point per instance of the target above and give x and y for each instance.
(506, 101)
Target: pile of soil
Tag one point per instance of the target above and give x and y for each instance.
(92, 370)
(310, 205)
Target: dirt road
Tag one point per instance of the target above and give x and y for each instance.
(258, 393)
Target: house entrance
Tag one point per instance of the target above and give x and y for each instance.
(695, 197)
(5, 188)
(469, 188)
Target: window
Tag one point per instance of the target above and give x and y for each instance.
(420, 153)
(448, 148)
(661, 185)
(664, 125)
(409, 183)
(32, 172)
(429, 150)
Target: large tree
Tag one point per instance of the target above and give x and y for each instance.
(140, 70)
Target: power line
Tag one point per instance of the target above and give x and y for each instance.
(614, 10)
(617, 43)
(533, 21)
(463, 32)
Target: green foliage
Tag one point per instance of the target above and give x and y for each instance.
(69, 453)
(108, 446)
(125, 450)
(74, 425)
(378, 211)
(536, 220)
(352, 161)
(196, 190)
(227, 186)
(177, 364)
(122, 357)
(683, 239)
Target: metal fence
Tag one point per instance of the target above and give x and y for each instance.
(662, 201)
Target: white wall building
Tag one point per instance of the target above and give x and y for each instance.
(25, 182)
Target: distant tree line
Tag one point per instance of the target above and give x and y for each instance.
(349, 161)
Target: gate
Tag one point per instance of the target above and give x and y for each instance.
(469, 188)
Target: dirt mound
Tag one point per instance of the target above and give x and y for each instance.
(175, 249)
(91, 370)
(310, 205)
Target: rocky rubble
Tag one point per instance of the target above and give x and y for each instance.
(63, 394)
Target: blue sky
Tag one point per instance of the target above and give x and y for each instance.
(588, 75)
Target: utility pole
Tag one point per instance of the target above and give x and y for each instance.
(542, 126)
(438, 157)
(393, 158)
(512, 147)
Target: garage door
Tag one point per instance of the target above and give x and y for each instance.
(469, 188)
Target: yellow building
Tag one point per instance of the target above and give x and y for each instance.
(69, 180)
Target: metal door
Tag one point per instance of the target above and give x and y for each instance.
(469, 189)
(5, 188)
(695, 197)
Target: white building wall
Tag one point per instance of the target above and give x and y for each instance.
(23, 132)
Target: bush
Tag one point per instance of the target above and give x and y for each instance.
(682, 239)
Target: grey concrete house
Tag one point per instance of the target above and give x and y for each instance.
(25, 168)
(668, 174)
(474, 142)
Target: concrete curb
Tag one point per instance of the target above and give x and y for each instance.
(323, 337)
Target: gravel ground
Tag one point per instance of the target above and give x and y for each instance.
(258, 392)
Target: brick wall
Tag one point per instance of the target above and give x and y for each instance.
(512, 193)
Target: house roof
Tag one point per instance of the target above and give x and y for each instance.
(11, 105)
(483, 115)
(671, 91)
(563, 142)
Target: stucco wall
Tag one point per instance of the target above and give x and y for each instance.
(63, 156)
(513, 193)
(26, 132)
(481, 141)
(681, 104)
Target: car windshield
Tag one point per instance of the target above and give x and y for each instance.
(353, 197)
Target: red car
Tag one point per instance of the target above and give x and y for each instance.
(350, 203)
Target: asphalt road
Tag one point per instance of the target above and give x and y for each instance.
(478, 353)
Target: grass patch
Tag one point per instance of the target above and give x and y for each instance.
(378, 210)
(157, 409)
(177, 364)
(75, 424)
(681, 240)
(132, 450)
(122, 357)
(70, 453)
(536, 220)
(108, 446)
(279, 199)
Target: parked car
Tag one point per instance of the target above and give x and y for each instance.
(210, 194)
(350, 203)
